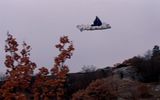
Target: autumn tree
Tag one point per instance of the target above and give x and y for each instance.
(19, 70)
(21, 84)
(49, 88)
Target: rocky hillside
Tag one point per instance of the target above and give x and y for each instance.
(137, 78)
(122, 84)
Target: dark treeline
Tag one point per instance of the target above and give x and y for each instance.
(148, 66)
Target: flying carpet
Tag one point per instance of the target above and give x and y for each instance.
(97, 25)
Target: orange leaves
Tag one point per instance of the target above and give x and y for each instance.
(54, 86)
(9, 62)
(59, 46)
(11, 44)
(20, 96)
(16, 57)
(70, 48)
(20, 73)
(60, 70)
(20, 70)
(43, 71)
(64, 40)
(24, 60)
(26, 49)
(55, 70)
(65, 53)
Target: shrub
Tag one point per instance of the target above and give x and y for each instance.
(100, 89)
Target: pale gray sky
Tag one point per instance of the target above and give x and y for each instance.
(135, 29)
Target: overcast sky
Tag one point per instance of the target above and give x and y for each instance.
(135, 29)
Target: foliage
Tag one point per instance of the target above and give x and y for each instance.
(148, 66)
(19, 84)
(19, 72)
(113, 88)
(46, 88)
(100, 89)
(89, 68)
(155, 51)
